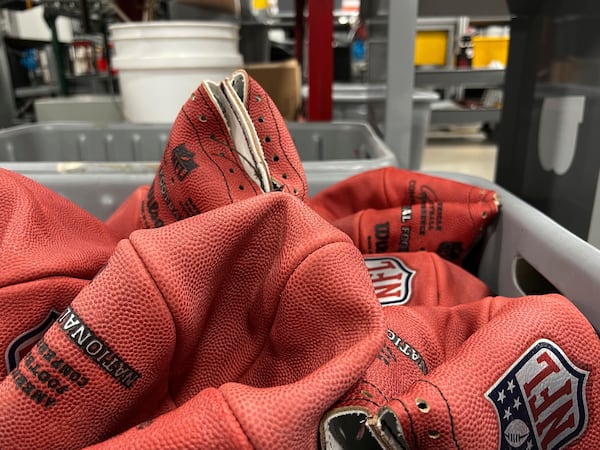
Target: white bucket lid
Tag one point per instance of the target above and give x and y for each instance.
(177, 29)
(232, 61)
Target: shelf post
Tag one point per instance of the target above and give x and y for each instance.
(8, 108)
(50, 16)
(402, 29)
(299, 31)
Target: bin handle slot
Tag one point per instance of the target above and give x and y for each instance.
(530, 281)
(318, 140)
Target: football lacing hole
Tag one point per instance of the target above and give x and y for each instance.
(202, 118)
(267, 139)
(258, 98)
(484, 214)
(231, 170)
(222, 154)
(276, 186)
(365, 393)
(284, 176)
(212, 136)
(261, 119)
(275, 158)
(193, 96)
(295, 191)
(433, 434)
(241, 186)
(422, 405)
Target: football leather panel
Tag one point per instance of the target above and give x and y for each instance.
(205, 421)
(128, 216)
(101, 368)
(533, 381)
(230, 300)
(43, 234)
(29, 309)
(395, 210)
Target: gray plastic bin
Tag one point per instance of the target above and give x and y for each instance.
(526, 252)
(101, 164)
(366, 103)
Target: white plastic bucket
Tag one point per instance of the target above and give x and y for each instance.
(161, 63)
(169, 39)
(154, 89)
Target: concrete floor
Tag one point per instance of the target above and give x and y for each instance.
(468, 154)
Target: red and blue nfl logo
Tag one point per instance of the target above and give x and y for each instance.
(540, 401)
(24, 342)
(392, 279)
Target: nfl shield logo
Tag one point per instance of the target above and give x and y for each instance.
(392, 279)
(21, 345)
(540, 401)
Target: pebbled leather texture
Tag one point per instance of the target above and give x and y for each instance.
(277, 144)
(420, 293)
(258, 312)
(396, 210)
(50, 250)
(501, 373)
(222, 148)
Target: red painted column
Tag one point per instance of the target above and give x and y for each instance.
(320, 59)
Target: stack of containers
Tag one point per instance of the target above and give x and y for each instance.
(161, 63)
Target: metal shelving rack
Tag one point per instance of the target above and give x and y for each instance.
(401, 77)
(474, 78)
(452, 77)
(93, 16)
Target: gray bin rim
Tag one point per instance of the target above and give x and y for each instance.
(358, 92)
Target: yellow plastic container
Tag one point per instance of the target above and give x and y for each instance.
(487, 49)
(431, 48)
(260, 4)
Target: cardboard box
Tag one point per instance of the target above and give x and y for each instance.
(575, 70)
(283, 83)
